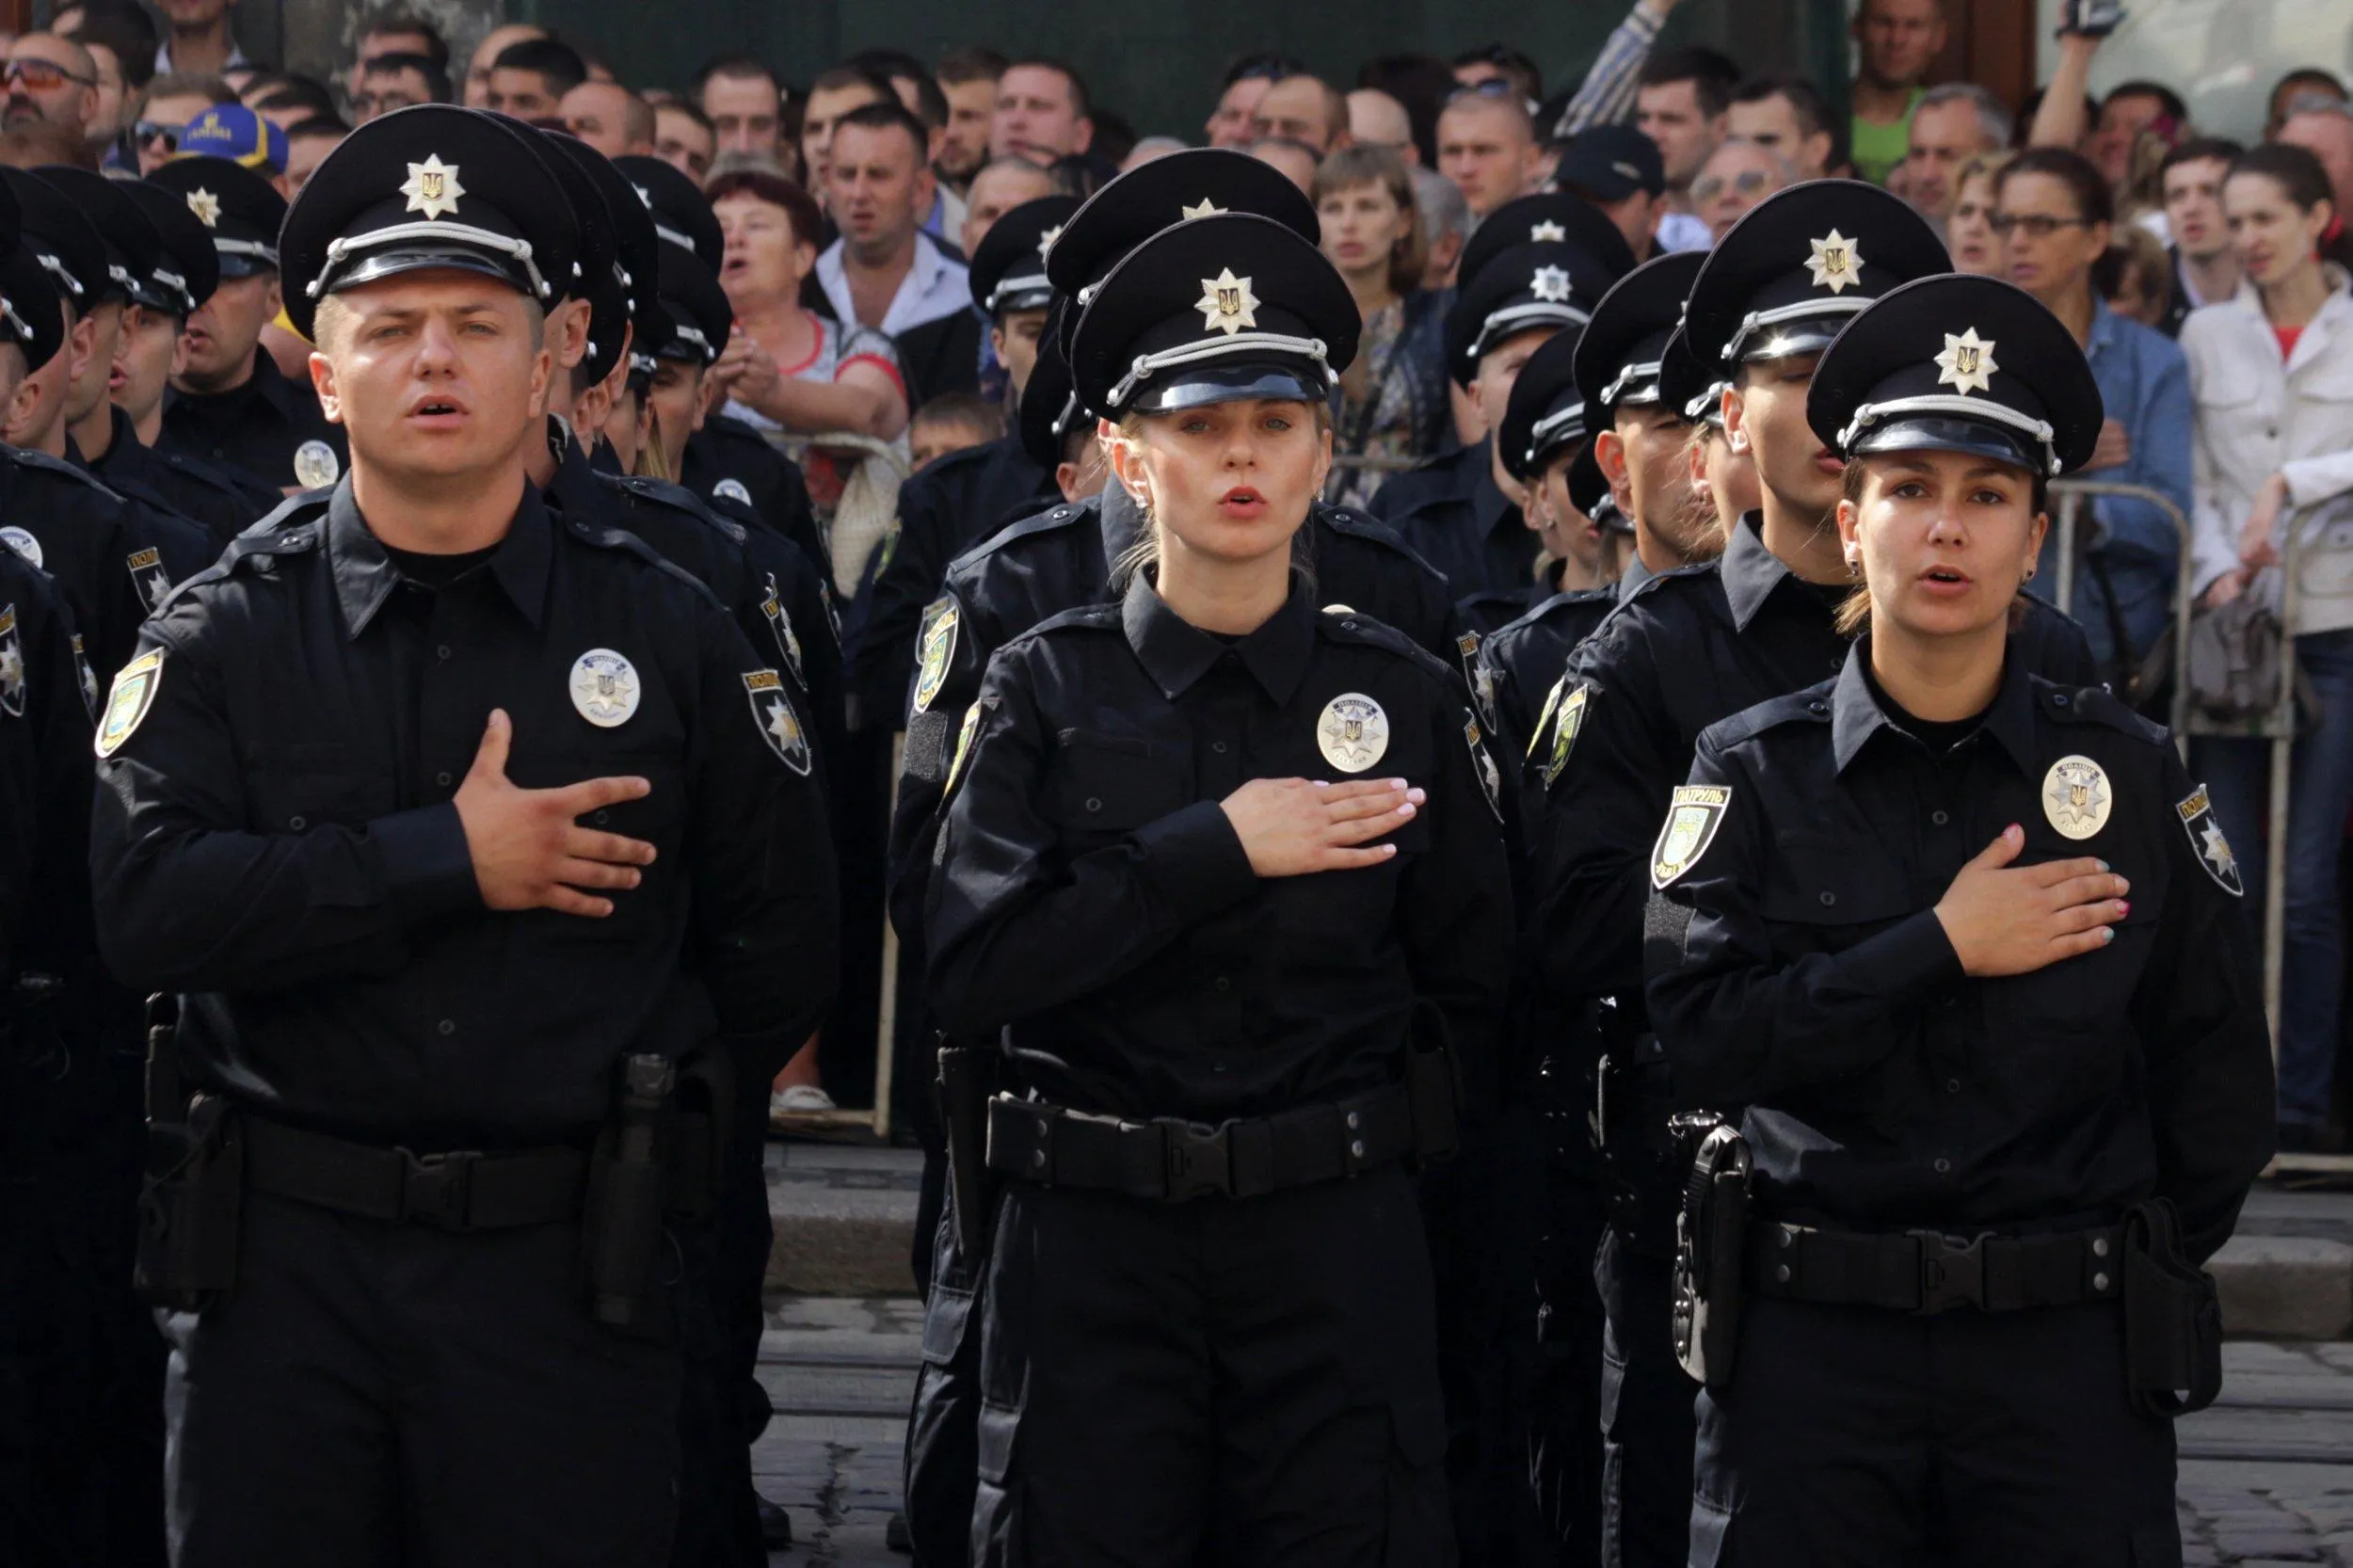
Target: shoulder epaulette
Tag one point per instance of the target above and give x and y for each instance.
(1811, 706)
(1344, 625)
(286, 514)
(1052, 519)
(46, 464)
(627, 543)
(662, 492)
(1552, 609)
(2095, 705)
(296, 528)
(1086, 617)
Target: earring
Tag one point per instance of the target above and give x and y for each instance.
(1854, 566)
(2030, 571)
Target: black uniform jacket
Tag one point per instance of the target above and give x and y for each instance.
(1451, 511)
(1096, 902)
(255, 428)
(1798, 970)
(44, 776)
(277, 833)
(1690, 647)
(220, 498)
(729, 460)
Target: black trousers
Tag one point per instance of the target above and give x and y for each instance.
(1647, 1421)
(1854, 1435)
(1566, 1442)
(943, 1426)
(373, 1395)
(1241, 1381)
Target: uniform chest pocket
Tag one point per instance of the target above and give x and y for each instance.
(658, 817)
(295, 788)
(1833, 894)
(1105, 783)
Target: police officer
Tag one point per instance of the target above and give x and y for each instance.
(1207, 969)
(1640, 439)
(1539, 264)
(413, 794)
(1965, 947)
(229, 406)
(1690, 647)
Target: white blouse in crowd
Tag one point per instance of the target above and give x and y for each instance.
(2258, 416)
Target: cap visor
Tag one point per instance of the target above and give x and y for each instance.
(1787, 340)
(374, 267)
(235, 265)
(1227, 383)
(1974, 437)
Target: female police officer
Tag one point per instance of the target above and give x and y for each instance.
(1967, 947)
(1222, 868)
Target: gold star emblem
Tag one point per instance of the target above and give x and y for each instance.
(206, 206)
(1967, 363)
(1204, 208)
(1550, 284)
(432, 187)
(1226, 303)
(1835, 263)
(1547, 230)
(1045, 241)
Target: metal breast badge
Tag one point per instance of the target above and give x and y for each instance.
(604, 687)
(1353, 732)
(2076, 799)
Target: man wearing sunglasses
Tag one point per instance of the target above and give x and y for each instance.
(54, 79)
(173, 100)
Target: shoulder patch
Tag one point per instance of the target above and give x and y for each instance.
(11, 664)
(133, 696)
(773, 716)
(1813, 704)
(780, 622)
(935, 646)
(1693, 815)
(2207, 843)
(1490, 781)
(1567, 724)
(964, 748)
(1353, 626)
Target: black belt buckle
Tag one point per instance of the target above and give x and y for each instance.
(1952, 1271)
(436, 1189)
(1197, 1161)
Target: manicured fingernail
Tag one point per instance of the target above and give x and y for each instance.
(1388, 849)
(2107, 933)
(2103, 865)
(1407, 809)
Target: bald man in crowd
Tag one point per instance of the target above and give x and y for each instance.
(609, 118)
(1377, 118)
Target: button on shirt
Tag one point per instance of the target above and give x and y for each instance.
(933, 287)
(1094, 897)
(1798, 969)
(277, 834)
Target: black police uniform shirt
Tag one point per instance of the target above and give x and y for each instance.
(1455, 517)
(255, 428)
(225, 502)
(1798, 970)
(954, 503)
(1517, 682)
(1093, 899)
(1690, 647)
(114, 561)
(729, 460)
(275, 830)
(1060, 559)
(45, 777)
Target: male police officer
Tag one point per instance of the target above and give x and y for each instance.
(470, 829)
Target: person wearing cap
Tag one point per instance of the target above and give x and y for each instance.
(1690, 647)
(425, 762)
(1969, 952)
(1209, 854)
(1722, 480)
(1640, 437)
(230, 405)
(240, 135)
(1618, 169)
(1536, 267)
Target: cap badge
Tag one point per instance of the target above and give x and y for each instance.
(1226, 303)
(1548, 230)
(1967, 362)
(206, 206)
(432, 186)
(1045, 241)
(1204, 208)
(1836, 265)
(1353, 732)
(1550, 284)
(604, 687)
(2076, 797)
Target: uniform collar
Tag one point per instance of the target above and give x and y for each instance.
(1751, 572)
(365, 576)
(1176, 653)
(1630, 581)
(1856, 714)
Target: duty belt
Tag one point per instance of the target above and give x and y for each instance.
(462, 1190)
(1931, 1271)
(1167, 1160)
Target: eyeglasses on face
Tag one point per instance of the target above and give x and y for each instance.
(2040, 226)
(1494, 87)
(44, 75)
(147, 132)
(1749, 182)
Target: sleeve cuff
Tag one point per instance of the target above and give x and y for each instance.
(427, 868)
(1195, 859)
(1912, 960)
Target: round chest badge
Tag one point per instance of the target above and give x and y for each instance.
(316, 466)
(1353, 732)
(604, 687)
(22, 543)
(733, 489)
(2077, 799)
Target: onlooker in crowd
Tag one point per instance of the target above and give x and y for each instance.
(403, 33)
(2205, 267)
(121, 38)
(2054, 213)
(1487, 147)
(968, 79)
(835, 94)
(1445, 226)
(1607, 94)
(530, 78)
(684, 138)
(885, 272)
(285, 100)
(741, 101)
(920, 97)
(1737, 176)
(1245, 82)
(1502, 65)
(234, 132)
(2303, 83)
(1969, 229)
(308, 143)
(1950, 125)
(173, 101)
(389, 82)
(1897, 42)
(1377, 119)
(1393, 398)
(200, 40)
(1785, 116)
(1296, 159)
(2129, 109)
(1618, 170)
(2325, 130)
(1150, 148)
(609, 118)
(2275, 450)
(1002, 185)
(52, 79)
(1680, 105)
(1423, 82)
(1305, 109)
(2136, 278)
(1041, 113)
(951, 423)
(494, 44)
